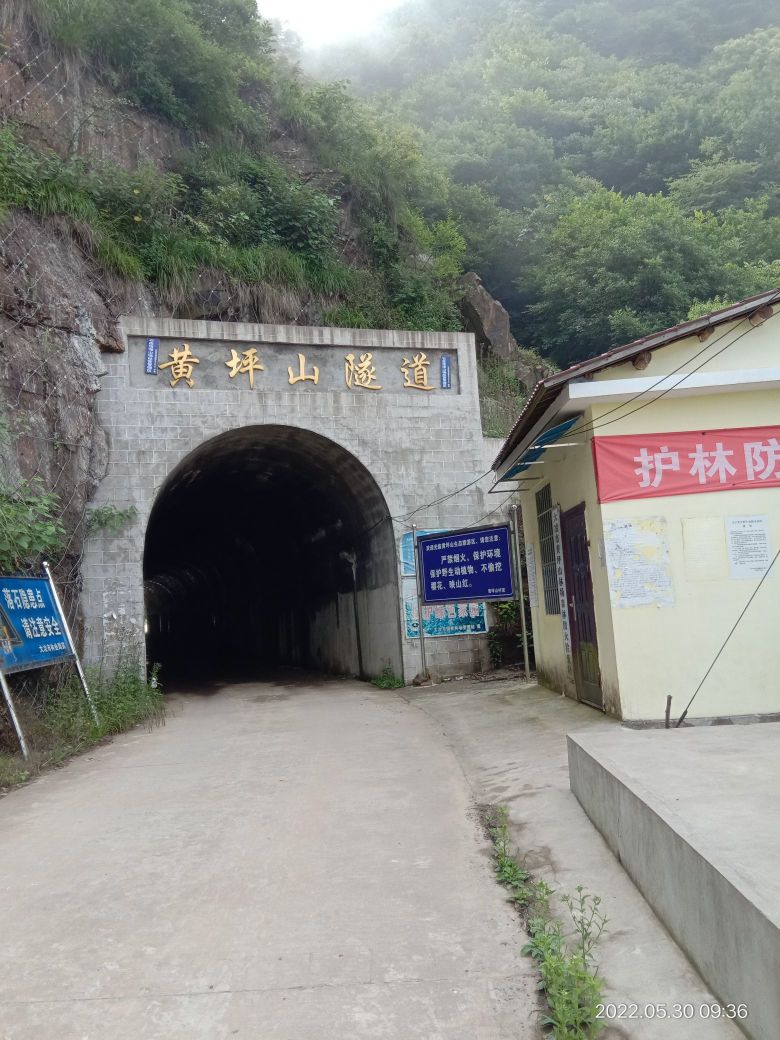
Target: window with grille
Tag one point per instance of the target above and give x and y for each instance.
(544, 520)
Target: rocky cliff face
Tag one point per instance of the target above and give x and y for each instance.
(487, 318)
(55, 322)
(58, 314)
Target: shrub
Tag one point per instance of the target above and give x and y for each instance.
(30, 527)
(388, 680)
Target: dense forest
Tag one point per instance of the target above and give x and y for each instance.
(614, 164)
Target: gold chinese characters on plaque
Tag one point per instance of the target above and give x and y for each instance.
(245, 364)
(360, 371)
(181, 365)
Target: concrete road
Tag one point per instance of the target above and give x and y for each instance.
(511, 742)
(291, 861)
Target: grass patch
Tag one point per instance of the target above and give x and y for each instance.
(501, 393)
(58, 723)
(568, 973)
(388, 680)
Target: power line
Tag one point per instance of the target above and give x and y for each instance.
(591, 427)
(682, 379)
(445, 498)
(492, 511)
(725, 642)
(598, 424)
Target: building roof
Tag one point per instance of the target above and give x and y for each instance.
(546, 390)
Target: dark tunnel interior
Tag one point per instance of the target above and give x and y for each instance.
(269, 546)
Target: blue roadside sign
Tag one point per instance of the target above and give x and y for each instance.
(446, 372)
(32, 631)
(473, 564)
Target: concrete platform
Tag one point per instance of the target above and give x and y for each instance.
(694, 817)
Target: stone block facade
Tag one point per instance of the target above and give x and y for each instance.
(418, 445)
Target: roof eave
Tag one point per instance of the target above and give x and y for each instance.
(618, 355)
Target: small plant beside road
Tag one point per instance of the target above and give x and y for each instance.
(568, 971)
(388, 680)
(58, 723)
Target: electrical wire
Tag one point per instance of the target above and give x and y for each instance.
(599, 424)
(686, 375)
(492, 511)
(445, 498)
(726, 641)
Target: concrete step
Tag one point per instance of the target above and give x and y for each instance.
(693, 816)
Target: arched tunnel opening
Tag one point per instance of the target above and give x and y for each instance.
(270, 546)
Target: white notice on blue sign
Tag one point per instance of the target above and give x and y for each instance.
(479, 568)
(446, 372)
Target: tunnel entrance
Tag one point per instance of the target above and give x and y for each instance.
(268, 546)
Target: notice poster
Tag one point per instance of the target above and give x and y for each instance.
(451, 619)
(749, 546)
(638, 565)
(533, 585)
(407, 551)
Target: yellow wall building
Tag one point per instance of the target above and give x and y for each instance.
(640, 566)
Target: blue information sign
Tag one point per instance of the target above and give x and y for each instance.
(32, 632)
(474, 564)
(152, 356)
(446, 372)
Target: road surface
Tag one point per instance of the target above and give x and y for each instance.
(297, 860)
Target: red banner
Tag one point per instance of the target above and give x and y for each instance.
(651, 465)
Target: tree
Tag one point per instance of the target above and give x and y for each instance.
(617, 268)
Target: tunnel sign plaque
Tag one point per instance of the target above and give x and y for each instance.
(473, 564)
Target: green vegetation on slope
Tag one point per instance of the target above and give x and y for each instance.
(230, 211)
(607, 166)
(615, 162)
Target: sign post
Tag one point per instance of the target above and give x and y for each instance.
(421, 621)
(14, 719)
(563, 598)
(520, 592)
(33, 633)
(69, 637)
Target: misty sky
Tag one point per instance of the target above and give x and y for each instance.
(325, 21)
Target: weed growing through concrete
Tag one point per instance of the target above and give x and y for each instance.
(109, 518)
(567, 968)
(388, 680)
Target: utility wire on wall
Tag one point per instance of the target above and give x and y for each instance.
(726, 641)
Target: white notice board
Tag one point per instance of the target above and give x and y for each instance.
(749, 545)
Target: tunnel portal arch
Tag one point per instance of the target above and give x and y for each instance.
(329, 455)
(269, 545)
